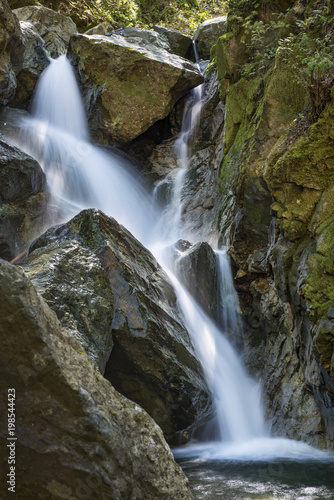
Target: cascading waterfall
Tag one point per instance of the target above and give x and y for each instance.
(87, 176)
(229, 315)
(79, 173)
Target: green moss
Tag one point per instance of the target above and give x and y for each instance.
(319, 288)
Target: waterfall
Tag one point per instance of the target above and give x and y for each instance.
(81, 175)
(228, 303)
(85, 175)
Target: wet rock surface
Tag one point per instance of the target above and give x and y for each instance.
(151, 360)
(196, 267)
(76, 434)
(25, 204)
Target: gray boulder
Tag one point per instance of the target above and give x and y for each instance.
(144, 38)
(54, 28)
(100, 29)
(77, 436)
(207, 35)
(128, 86)
(178, 42)
(152, 360)
(11, 52)
(74, 284)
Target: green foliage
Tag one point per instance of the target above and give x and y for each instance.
(184, 15)
(306, 45)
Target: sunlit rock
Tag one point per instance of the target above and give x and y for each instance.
(207, 35)
(54, 28)
(36, 59)
(128, 86)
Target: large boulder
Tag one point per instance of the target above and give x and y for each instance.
(36, 59)
(128, 86)
(76, 436)
(11, 52)
(54, 28)
(207, 35)
(152, 361)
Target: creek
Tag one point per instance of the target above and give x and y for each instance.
(239, 459)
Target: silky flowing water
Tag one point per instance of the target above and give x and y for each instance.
(242, 460)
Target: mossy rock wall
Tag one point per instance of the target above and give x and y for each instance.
(276, 181)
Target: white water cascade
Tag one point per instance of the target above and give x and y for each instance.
(79, 173)
(86, 176)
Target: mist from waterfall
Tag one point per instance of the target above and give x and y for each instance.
(84, 175)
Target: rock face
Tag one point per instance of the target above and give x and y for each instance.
(207, 35)
(23, 198)
(36, 59)
(54, 28)
(74, 284)
(77, 436)
(197, 269)
(178, 42)
(11, 52)
(276, 180)
(20, 175)
(128, 87)
(151, 361)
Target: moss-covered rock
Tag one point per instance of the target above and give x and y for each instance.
(131, 85)
(276, 181)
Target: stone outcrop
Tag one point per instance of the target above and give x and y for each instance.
(54, 28)
(23, 198)
(196, 267)
(128, 86)
(92, 266)
(207, 35)
(36, 59)
(178, 42)
(11, 52)
(76, 435)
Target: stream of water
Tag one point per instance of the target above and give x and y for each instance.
(243, 461)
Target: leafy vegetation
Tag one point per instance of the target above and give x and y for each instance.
(304, 41)
(184, 15)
